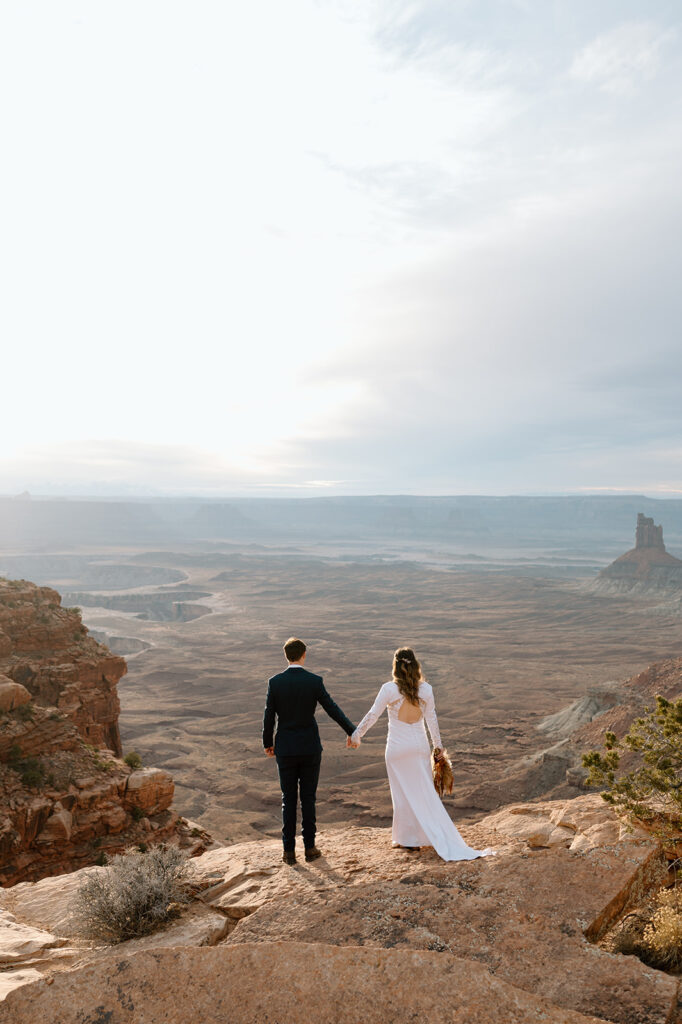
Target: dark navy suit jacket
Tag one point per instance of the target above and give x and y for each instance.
(293, 696)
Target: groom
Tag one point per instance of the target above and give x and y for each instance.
(292, 698)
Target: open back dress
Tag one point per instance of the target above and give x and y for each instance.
(419, 817)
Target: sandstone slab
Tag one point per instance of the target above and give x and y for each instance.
(20, 942)
(46, 904)
(531, 914)
(10, 980)
(284, 982)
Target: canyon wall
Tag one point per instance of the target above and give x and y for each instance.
(66, 796)
(47, 649)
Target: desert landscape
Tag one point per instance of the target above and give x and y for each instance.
(506, 637)
(132, 684)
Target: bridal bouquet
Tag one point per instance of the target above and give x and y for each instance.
(441, 768)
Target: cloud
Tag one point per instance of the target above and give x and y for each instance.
(412, 244)
(620, 60)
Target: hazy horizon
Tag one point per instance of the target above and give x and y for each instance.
(320, 247)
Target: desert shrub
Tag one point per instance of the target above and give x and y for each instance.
(30, 770)
(651, 792)
(133, 759)
(137, 813)
(13, 755)
(25, 712)
(662, 939)
(627, 937)
(136, 894)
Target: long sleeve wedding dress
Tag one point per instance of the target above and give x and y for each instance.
(419, 817)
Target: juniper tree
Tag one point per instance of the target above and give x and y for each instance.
(651, 790)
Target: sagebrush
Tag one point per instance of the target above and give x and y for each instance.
(136, 894)
(663, 935)
(654, 932)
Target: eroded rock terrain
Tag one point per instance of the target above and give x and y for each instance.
(369, 933)
(66, 797)
(47, 649)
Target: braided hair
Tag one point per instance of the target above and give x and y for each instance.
(407, 674)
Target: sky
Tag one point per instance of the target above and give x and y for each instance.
(335, 247)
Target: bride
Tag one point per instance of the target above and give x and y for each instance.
(419, 817)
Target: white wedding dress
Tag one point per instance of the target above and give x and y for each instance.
(419, 817)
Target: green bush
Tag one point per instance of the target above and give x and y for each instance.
(29, 769)
(651, 792)
(133, 759)
(25, 712)
(13, 755)
(137, 813)
(137, 893)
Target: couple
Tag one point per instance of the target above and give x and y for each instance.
(419, 817)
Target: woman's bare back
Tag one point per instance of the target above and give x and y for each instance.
(409, 713)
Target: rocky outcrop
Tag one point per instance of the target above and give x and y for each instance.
(64, 803)
(647, 566)
(370, 933)
(557, 770)
(288, 983)
(47, 649)
(66, 798)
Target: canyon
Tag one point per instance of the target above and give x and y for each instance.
(530, 663)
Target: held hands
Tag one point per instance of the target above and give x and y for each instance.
(350, 744)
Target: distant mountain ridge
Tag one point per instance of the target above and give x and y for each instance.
(590, 523)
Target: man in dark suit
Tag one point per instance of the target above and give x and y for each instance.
(293, 696)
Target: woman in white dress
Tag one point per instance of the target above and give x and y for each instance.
(419, 817)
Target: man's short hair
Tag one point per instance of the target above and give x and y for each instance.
(294, 649)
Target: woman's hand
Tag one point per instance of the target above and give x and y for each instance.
(438, 753)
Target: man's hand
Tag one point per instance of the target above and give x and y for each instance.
(270, 751)
(349, 743)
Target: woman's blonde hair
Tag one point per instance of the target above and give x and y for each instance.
(407, 674)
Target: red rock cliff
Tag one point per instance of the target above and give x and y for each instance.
(47, 649)
(66, 798)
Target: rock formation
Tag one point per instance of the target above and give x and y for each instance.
(366, 933)
(557, 770)
(66, 798)
(47, 649)
(647, 566)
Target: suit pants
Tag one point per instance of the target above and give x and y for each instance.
(298, 772)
